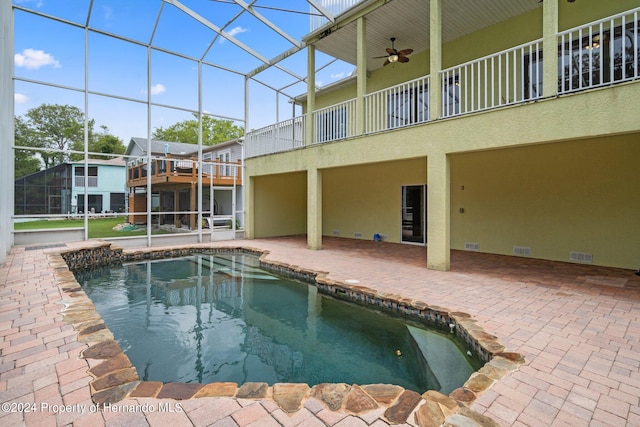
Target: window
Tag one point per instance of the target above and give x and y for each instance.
(225, 158)
(408, 107)
(95, 203)
(451, 96)
(595, 58)
(532, 79)
(92, 176)
(116, 202)
(331, 125)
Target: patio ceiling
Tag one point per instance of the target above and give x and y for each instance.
(219, 35)
(408, 22)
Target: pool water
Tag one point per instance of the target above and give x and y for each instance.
(216, 318)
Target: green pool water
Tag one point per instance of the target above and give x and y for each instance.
(215, 318)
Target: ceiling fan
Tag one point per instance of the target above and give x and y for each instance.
(394, 55)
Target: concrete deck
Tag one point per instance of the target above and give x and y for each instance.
(577, 326)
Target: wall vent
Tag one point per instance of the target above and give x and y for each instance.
(335, 232)
(581, 257)
(522, 250)
(357, 234)
(471, 246)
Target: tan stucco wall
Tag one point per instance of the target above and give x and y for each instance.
(280, 205)
(588, 114)
(558, 173)
(580, 12)
(579, 196)
(569, 155)
(366, 199)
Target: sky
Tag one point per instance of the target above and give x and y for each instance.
(51, 57)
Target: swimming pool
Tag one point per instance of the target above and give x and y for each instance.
(215, 318)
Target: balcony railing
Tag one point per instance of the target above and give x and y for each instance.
(401, 105)
(92, 181)
(182, 170)
(600, 53)
(508, 77)
(283, 136)
(335, 122)
(333, 6)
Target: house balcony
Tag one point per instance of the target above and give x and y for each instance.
(602, 53)
(168, 171)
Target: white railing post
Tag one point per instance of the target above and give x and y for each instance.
(333, 6)
(496, 80)
(600, 53)
(284, 136)
(401, 105)
(335, 122)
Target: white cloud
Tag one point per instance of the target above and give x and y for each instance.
(39, 3)
(108, 12)
(33, 59)
(157, 89)
(20, 98)
(338, 76)
(232, 32)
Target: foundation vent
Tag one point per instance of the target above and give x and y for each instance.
(581, 257)
(357, 235)
(468, 246)
(522, 250)
(335, 232)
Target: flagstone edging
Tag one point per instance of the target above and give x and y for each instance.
(114, 378)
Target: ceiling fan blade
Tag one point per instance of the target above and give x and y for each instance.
(403, 59)
(391, 51)
(386, 63)
(378, 57)
(405, 52)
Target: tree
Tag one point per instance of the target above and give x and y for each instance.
(214, 131)
(54, 126)
(102, 142)
(25, 161)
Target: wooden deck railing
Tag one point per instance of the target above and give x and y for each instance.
(180, 170)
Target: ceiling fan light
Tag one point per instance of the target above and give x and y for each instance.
(393, 58)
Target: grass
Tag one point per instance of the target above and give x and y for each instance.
(98, 227)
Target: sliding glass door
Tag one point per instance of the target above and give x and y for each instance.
(414, 220)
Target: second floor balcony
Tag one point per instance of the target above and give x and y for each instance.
(174, 170)
(601, 53)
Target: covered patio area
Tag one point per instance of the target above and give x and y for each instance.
(578, 327)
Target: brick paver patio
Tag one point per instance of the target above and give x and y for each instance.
(577, 326)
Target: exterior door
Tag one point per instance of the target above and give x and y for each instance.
(414, 214)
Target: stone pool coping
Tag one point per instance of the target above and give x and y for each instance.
(114, 378)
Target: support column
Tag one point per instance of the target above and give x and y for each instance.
(249, 209)
(311, 94)
(438, 212)
(176, 207)
(550, 48)
(192, 206)
(435, 59)
(314, 209)
(361, 74)
(6, 129)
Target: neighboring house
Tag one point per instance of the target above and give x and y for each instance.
(476, 143)
(60, 189)
(173, 179)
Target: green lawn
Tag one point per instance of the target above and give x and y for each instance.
(98, 227)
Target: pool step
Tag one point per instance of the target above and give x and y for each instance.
(448, 363)
(236, 268)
